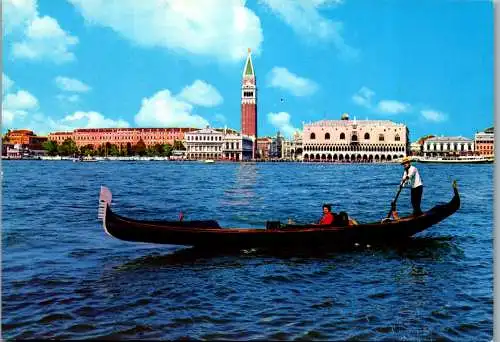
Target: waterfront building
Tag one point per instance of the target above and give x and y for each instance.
(238, 147)
(354, 140)
(25, 138)
(121, 136)
(292, 149)
(209, 143)
(416, 148)
(264, 147)
(276, 146)
(448, 146)
(60, 137)
(21, 151)
(484, 142)
(204, 144)
(249, 102)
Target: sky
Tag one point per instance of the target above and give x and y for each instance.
(178, 63)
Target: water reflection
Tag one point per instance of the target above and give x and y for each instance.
(243, 187)
(414, 249)
(240, 201)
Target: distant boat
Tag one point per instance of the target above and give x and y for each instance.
(85, 159)
(458, 160)
(208, 161)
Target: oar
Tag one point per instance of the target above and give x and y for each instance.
(393, 203)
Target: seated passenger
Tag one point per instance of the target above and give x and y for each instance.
(327, 218)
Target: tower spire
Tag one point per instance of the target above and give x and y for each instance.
(248, 70)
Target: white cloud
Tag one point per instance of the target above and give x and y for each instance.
(326, 2)
(165, 110)
(20, 110)
(282, 122)
(17, 106)
(363, 97)
(7, 118)
(17, 14)
(281, 78)
(202, 94)
(22, 100)
(91, 119)
(7, 83)
(71, 85)
(72, 98)
(43, 125)
(434, 115)
(44, 39)
(305, 19)
(220, 29)
(34, 37)
(393, 107)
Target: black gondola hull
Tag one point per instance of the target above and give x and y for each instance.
(208, 234)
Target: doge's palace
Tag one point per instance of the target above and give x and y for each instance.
(354, 140)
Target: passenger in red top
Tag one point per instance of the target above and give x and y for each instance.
(327, 215)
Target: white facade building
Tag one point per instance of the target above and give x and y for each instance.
(448, 146)
(209, 143)
(416, 149)
(292, 149)
(354, 140)
(237, 147)
(204, 144)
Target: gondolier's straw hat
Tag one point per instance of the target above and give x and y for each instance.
(406, 160)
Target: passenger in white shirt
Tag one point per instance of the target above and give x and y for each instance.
(411, 176)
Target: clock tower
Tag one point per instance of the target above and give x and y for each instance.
(249, 102)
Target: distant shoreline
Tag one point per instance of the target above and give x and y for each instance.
(165, 159)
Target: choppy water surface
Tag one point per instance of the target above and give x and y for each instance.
(63, 277)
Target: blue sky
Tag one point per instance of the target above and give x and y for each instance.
(157, 63)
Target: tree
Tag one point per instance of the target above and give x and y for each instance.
(123, 150)
(113, 150)
(129, 150)
(68, 147)
(6, 137)
(178, 145)
(150, 151)
(158, 148)
(139, 148)
(167, 150)
(101, 150)
(51, 147)
(87, 150)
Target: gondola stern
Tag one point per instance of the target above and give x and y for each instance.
(105, 198)
(456, 197)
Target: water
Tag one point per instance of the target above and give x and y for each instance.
(63, 277)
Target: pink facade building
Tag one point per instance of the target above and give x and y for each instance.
(121, 136)
(264, 147)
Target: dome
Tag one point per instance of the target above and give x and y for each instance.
(344, 116)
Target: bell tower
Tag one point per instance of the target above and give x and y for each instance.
(249, 102)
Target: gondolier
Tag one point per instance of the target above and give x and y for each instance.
(412, 176)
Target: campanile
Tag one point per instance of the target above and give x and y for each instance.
(249, 102)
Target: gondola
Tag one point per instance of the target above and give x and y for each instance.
(209, 234)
